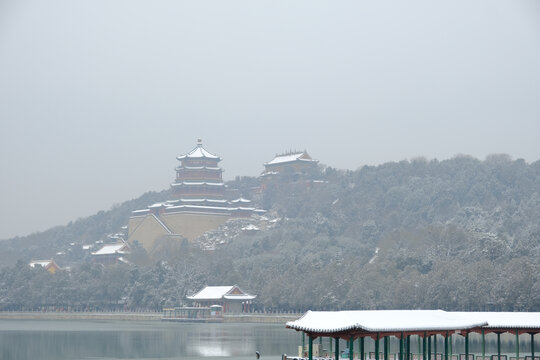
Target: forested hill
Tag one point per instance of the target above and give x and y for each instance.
(459, 234)
(64, 243)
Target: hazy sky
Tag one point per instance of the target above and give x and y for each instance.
(97, 98)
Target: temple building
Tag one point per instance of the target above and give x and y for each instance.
(111, 253)
(232, 298)
(199, 203)
(48, 265)
(294, 161)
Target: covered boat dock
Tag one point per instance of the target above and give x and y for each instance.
(426, 325)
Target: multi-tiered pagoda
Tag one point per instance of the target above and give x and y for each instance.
(198, 176)
(199, 203)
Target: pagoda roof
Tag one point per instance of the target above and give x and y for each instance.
(217, 201)
(198, 168)
(198, 183)
(199, 152)
(291, 157)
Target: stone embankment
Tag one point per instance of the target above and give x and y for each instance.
(31, 315)
(142, 316)
(261, 318)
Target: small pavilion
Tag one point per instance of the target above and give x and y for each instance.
(232, 298)
(426, 325)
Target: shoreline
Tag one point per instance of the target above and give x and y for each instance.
(142, 316)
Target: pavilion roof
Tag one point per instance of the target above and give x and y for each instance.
(199, 152)
(290, 157)
(222, 292)
(111, 249)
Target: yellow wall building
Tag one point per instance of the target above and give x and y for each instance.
(199, 203)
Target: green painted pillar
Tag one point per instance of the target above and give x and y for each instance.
(351, 348)
(337, 348)
(377, 347)
(386, 348)
(446, 346)
(435, 346)
(532, 346)
(408, 346)
(517, 345)
(467, 346)
(310, 351)
(499, 346)
(483, 345)
(401, 347)
(424, 347)
(451, 348)
(303, 343)
(362, 349)
(419, 345)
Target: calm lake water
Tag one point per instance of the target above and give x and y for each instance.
(62, 340)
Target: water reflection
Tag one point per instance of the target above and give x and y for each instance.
(24, 339)
(63, 340)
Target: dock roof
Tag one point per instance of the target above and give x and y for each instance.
(391, 321)
(382, 321)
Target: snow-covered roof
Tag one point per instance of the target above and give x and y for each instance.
(198, 168)
(42, 263)
(251, 227)
(159, 205)
(241, 200)
(290, 157)
(384, 320)
(112, 249)
(201, 200)
(199, 152)
(197, 183)
(201, 207)
(123, 260)
(515, 320)
(222, 292)
(239, 297)
(211, 292)
(140, 212)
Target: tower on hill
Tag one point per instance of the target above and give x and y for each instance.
(198, 203)
(198, 176)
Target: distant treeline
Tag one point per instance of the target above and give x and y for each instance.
(459, 234)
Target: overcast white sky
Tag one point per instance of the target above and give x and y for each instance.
(97, 98)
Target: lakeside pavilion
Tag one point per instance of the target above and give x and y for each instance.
(426, 325)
